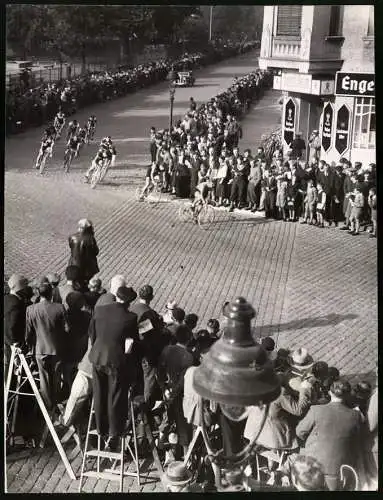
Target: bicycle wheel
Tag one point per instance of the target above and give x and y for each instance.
(104, 171)
(43, 163)
(155, 195)
(206, 217)
(184, 213)
(95, 178)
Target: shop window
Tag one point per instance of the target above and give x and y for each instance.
(335, 24)
(364, 123)
(370, 28)
(289, 20)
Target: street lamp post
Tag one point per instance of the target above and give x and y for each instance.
(172, 91)
(210, 22)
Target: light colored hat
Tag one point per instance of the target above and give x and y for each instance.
(17, 282)
(177, 474)
(84, 223)
(301, 359)
(171, 305)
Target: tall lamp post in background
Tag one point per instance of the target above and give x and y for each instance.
(172, 90)
(210, 22)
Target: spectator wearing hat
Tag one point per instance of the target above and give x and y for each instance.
(278, 431)
(72, 274)
(268, 344)
(307, 474)
(113, 333)
(47, 335)
(14, 317)
(178, 479)
(332, 433)
(84, 250)
(173, 318)
(152, 341)
(110, 297)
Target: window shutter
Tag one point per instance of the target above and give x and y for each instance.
(289, 20)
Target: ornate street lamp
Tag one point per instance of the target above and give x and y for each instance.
(172, 90)
(236, 373)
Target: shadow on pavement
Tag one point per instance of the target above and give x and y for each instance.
(329, 319)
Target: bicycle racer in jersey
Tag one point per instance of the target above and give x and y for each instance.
(59, 122)
(81, 135)
(73, 127)
(98, 161)
(73, 144)
(152, 176)
(91, 127)
(45, 147)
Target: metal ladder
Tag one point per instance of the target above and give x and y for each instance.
(111, 474)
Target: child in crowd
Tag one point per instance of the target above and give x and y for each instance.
(310, 201)
(321, 204)
(319, 394)
(357, 205)
(281, 197)
(373, 206)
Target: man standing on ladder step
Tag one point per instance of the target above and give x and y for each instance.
(113, 332)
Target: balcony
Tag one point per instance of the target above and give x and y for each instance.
(286, 48)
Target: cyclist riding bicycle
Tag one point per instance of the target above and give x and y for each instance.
(108, 146)
(45, 147)
(73, 145)
(50, 131)
(81, 135)
(59, 122)
(202, 191)
(152, 176)
(98, 161)
(73, 127)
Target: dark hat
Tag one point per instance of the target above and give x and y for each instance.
(126, 294)
(178, 314)
(72, 273)
(146, 292)
(45, 290)
(268, 343)
(177, 474)
(213, 324)
(191, 320)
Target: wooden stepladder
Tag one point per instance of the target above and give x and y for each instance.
(24, 374)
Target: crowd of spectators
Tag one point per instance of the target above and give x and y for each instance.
(26, 106)
(201, 152)
(113, 345)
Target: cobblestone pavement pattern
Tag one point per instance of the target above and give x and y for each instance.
(310, 287)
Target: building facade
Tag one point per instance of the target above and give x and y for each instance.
(324, 58)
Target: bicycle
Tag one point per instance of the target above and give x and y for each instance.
(68, 158)
(99, 173)
(153, 193)
(41, 164)
(59, 130)
(203, 214)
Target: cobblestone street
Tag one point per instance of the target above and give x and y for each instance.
(311, 287)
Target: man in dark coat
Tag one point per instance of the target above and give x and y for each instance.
(326, 179)
(47, 334)
(110, 297)
(332, 433)
(14, 317)
(152, 341)
(113, 333)
(298, 147)
(84, 250)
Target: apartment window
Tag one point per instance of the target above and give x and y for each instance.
(289, 20)
(364, 123)
(371, 29)
(334, 29)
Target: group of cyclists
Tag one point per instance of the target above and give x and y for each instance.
(76, 137)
